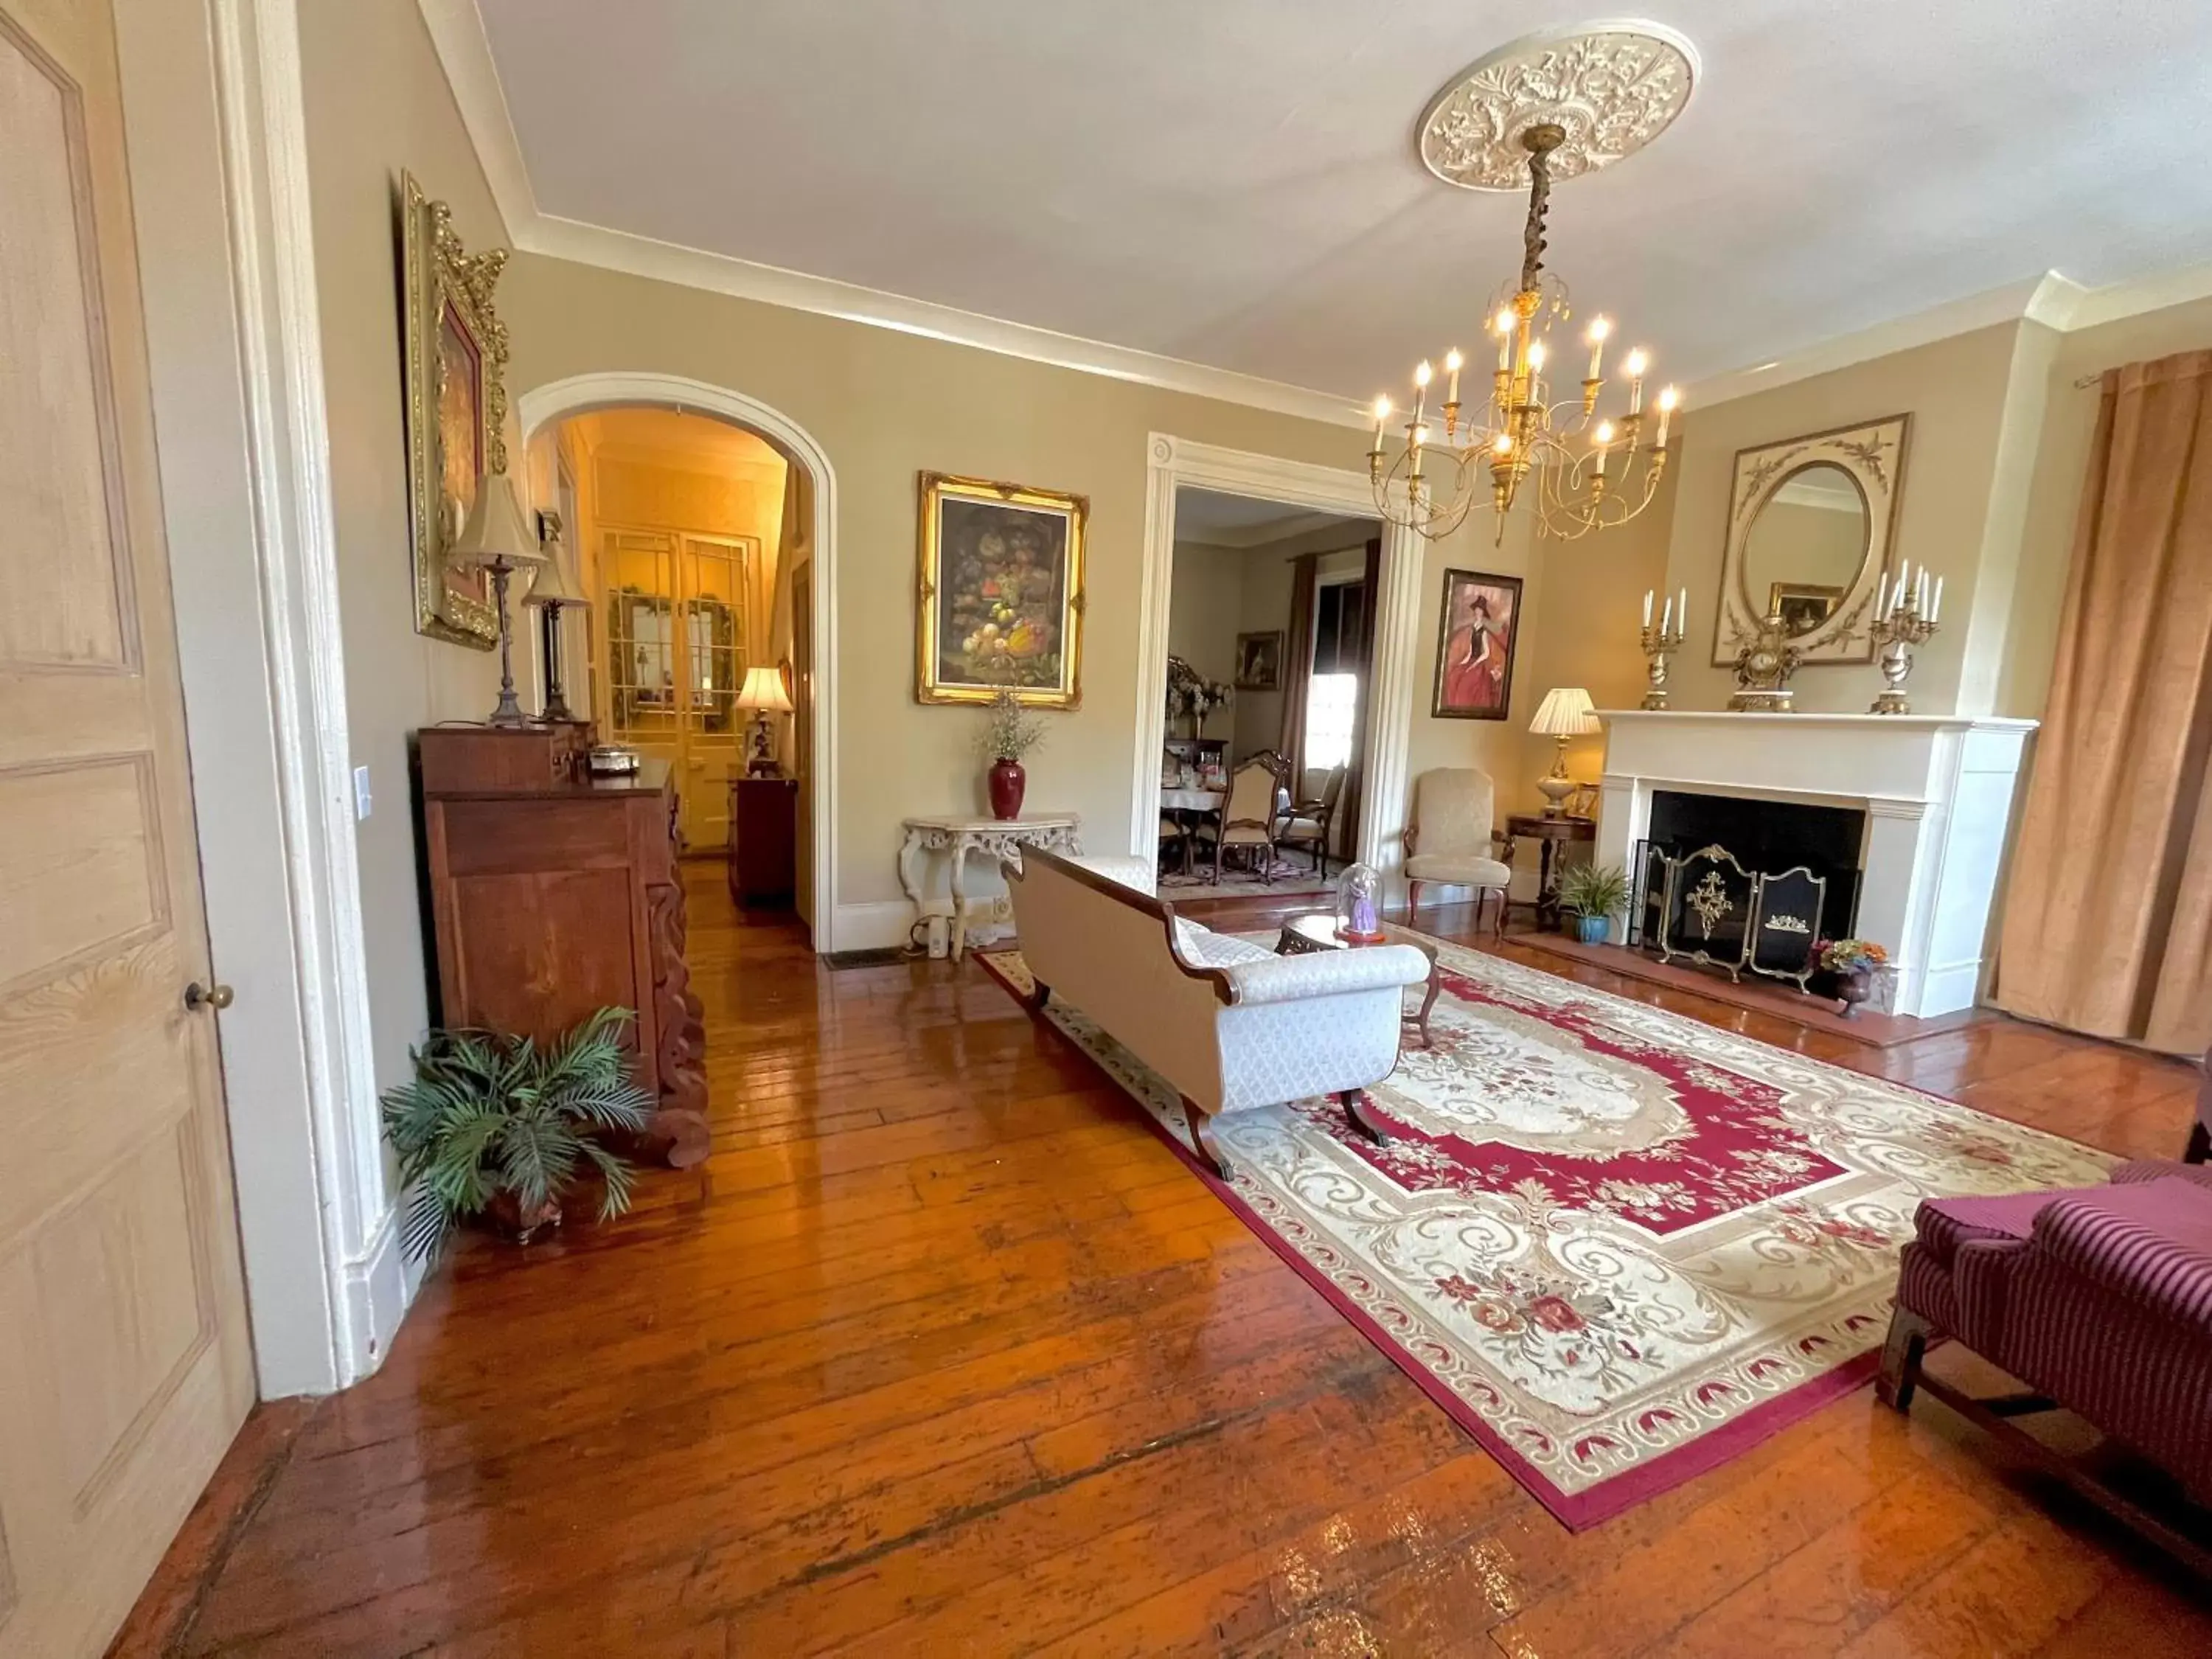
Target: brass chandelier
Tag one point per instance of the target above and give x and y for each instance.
(1591, 473)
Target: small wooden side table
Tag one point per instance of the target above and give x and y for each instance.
(1555, 835)
(1310, 935)
(763, 839)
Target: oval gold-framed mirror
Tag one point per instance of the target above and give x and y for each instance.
(1811, 525)
(1806, 546)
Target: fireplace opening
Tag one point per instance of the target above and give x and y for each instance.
(1743, 884)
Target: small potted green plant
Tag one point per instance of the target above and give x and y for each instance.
(1854, 961)
(497, 1125)
(1006, 736)
(1596, 893)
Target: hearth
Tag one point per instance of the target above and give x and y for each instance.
(1935, 791)
(1741, 883)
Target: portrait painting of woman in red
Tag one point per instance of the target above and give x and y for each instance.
(1480, 619)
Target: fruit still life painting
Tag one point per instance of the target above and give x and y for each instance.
(1002, 593)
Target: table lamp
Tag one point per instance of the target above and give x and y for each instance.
(763, 694)
(495, 539)
(552, 592)
(1566, 713)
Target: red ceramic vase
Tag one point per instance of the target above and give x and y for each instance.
(1007, 782)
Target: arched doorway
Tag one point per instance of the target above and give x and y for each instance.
(812, 614)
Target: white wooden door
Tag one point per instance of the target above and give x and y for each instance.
(124, 1363)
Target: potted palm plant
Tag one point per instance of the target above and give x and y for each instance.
(1596, 893)
(500, 1127)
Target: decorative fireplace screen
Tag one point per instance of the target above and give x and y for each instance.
(1704, 907)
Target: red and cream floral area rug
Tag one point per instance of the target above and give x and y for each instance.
(1618, 1245)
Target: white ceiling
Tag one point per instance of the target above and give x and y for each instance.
(1234, 183)
(1222, 521)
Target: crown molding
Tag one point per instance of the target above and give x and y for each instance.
(456, 34)
(2120, 301)
(744, 279)
(2040, 297)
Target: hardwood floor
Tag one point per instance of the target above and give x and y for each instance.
(943, 1353)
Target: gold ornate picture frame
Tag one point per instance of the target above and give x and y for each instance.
(1831, 618)
(1000, 598)
(455, 382)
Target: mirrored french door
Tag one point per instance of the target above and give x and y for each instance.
(675, 633)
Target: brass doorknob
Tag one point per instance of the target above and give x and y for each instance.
(198, 996)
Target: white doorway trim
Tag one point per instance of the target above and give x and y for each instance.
(542, 406)
(217, 141)
(1174, 463)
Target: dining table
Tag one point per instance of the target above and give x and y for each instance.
(1191, 806)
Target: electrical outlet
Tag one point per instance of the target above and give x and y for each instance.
(362, 800)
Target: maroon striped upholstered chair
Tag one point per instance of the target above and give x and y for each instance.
(2099, 1299)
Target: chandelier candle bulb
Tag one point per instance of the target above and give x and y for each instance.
(1647, 607)
(1682, 611)
(1633, 367)
(1599, 329)
(1936, 602)
(1382, 415)
(1452, 362)
(1666, 617)
(1667, 399)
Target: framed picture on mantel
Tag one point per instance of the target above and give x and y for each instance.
(1478, 627)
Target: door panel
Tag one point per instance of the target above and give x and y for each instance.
(676, 615)
(124, 1368)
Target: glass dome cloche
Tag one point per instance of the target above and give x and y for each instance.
(1359, 905)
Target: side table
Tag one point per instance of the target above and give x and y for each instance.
(1056, 832)
(1554, 835)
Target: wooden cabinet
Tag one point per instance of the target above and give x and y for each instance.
(555, 894)
(763, 839)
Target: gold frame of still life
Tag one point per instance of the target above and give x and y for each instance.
(1007, 614)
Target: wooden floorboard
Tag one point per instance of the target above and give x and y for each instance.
(944, 1352)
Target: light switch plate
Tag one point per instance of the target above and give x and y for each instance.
(362, 800)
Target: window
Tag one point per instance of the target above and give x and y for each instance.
(1333, 696)
(1331, 707)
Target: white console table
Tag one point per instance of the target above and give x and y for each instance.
(1056, 832)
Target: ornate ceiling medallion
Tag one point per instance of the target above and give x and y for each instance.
(1610, 87)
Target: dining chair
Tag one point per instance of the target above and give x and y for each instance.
(1310, 820)
(1251, 814)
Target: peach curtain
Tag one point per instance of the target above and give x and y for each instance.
(2108, 911)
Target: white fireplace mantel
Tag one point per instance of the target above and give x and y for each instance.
(1937, 791)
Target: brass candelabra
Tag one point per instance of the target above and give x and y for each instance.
(1659, 643)
(1905, 616)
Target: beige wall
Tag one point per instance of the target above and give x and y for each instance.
(377, 101)
(1956, 391)
(884, 406)
(1585, 634)
(1205, 610)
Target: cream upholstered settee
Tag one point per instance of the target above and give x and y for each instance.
(1227, 1023)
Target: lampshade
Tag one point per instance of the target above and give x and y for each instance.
(764, 690)
(495, 530)
(552, 585)
(1566, 713)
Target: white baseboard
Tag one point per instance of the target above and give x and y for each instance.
(872, 926)
(379, 1287)
(1947, 989)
